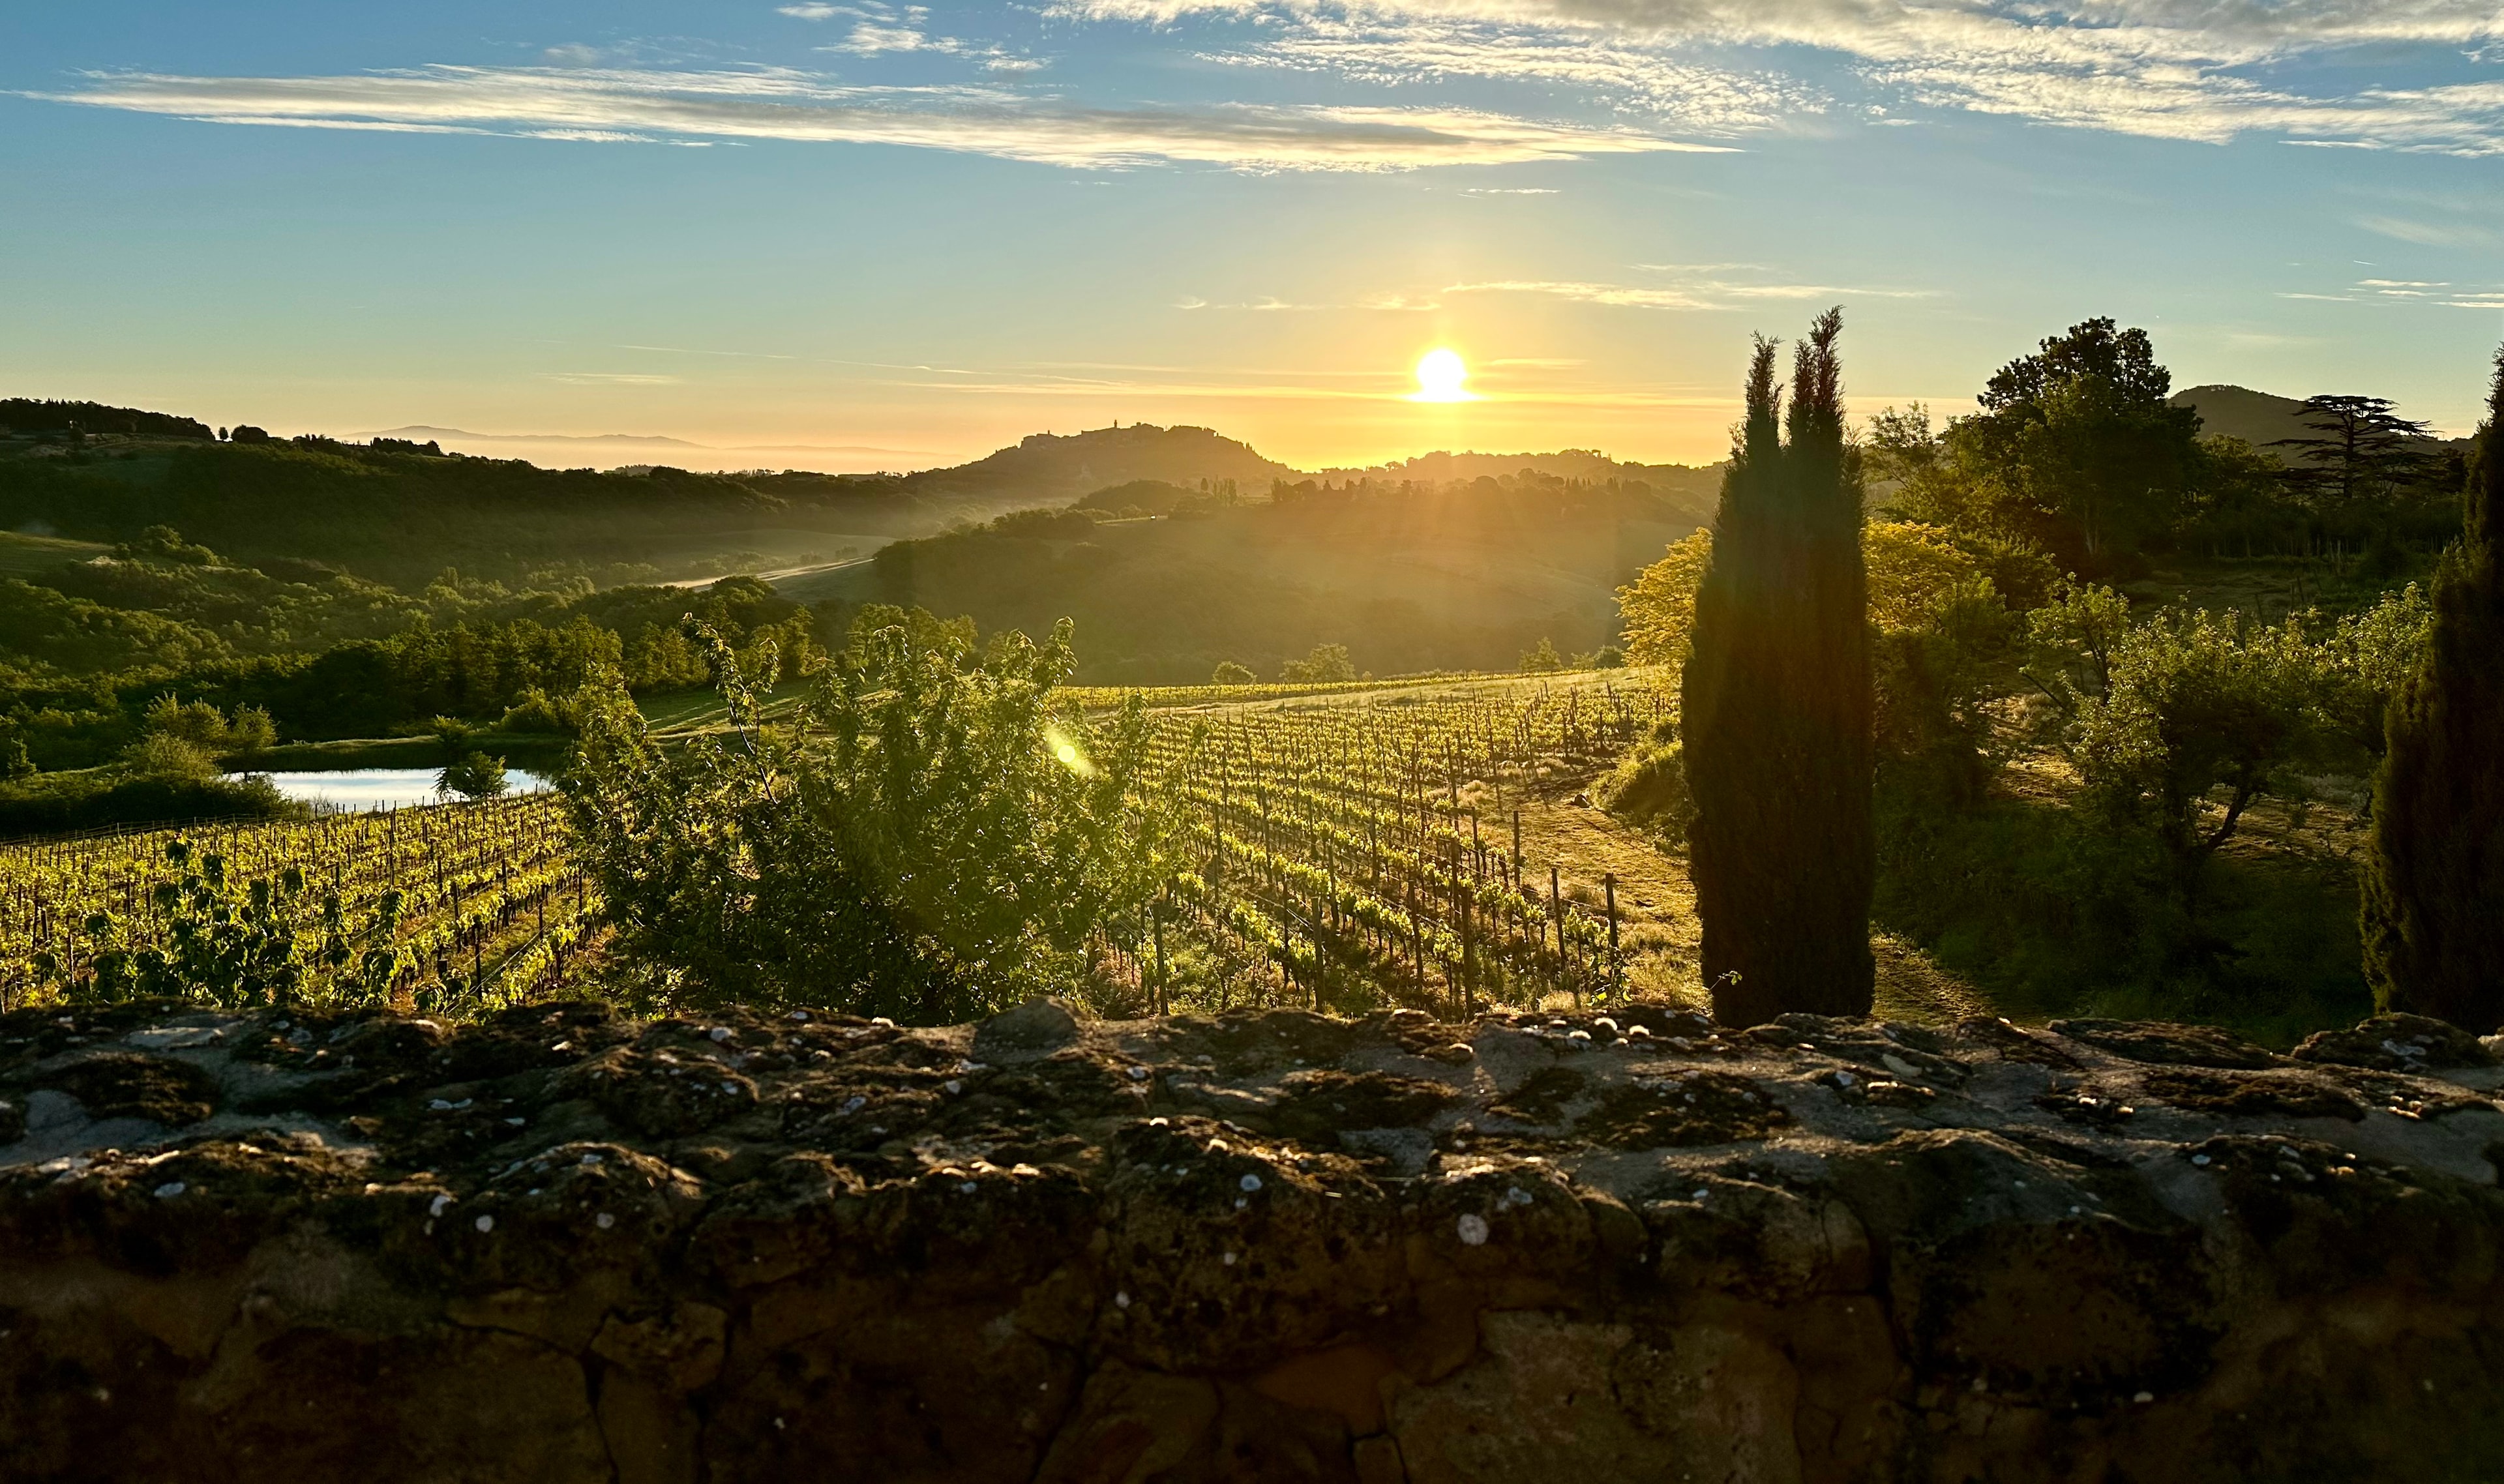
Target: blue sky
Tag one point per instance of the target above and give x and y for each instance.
(873, 235)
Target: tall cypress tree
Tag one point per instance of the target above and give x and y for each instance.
(2433, 914)
(1776, 711)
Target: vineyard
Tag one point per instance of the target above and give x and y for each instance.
(1368, 850)
(444, 906)
(1340, 851)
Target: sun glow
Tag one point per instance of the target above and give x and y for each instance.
(1066, 751)
(1440, 374)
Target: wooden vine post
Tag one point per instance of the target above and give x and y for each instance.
(1617, 964)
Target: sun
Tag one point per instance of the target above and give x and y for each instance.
(1440, 373)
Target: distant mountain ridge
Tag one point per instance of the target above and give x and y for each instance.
(2258, 418)
(1585, 464)
(1046, 467)
(1040, 469)
(416, 432)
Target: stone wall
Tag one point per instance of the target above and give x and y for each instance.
(562, 1246)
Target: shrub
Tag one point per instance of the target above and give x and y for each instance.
(1648, 787)
(1326, 665)
(472, 775)
(928, 840)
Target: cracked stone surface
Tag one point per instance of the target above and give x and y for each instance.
(561, 1245)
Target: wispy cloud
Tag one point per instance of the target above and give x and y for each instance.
(1692, 294)
(2443, 234)
(1414, 49)
(616, 105)
(876, 30)
(1264, 305)
(615, 379)
(2409, 293)
(1614, 296)
(2178, 69)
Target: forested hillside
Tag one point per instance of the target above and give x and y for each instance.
(1409, 574)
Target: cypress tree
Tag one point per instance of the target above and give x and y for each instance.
(1777, 709)
(2433, 914)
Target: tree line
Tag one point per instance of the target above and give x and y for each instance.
(1802, 700)
(2078, 449)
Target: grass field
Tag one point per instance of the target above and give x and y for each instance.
(21, 554)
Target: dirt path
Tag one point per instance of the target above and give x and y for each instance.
(1656, 908)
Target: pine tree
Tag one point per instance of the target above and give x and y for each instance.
(2433, 916)
(1777, 710)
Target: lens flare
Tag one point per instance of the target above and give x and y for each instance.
(1066, 751)
(1440, 377)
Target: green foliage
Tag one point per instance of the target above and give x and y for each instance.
(536, 711)
(1073, 525)
(1326, 665)
(1229, 673)
(164, 543)
(44, 634)
(166, 756)
(2075, 450)
(926, 631)
(2049, 912)
(101, 798)
(1936, 678)
(472, 775)
(1658, 608)
(25, 414)
(1544, 659)
(2355, 448)
(2179, 722)
(1648, 787)
(1364, 561)
(239, 944)
(2199, 702)
(927, 840)
(246, 731)
(1776, 711)
(2433, 914)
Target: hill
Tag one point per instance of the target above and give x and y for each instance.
(1583, 464)
(27, 415)
(2258, 418)
(1409, 575)
(399, 510)
(1048, 468)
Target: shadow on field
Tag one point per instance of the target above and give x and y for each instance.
(2046, 914)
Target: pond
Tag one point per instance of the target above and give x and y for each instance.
(355, 790)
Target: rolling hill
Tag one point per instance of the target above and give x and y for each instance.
(2258, 418)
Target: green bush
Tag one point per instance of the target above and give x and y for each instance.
(472, 775)
(1326, 665)
(926, 839)
(1648, 787)
(101, 798)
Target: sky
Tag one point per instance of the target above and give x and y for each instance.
(866, 235)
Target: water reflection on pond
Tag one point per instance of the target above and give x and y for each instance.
(355, 790)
